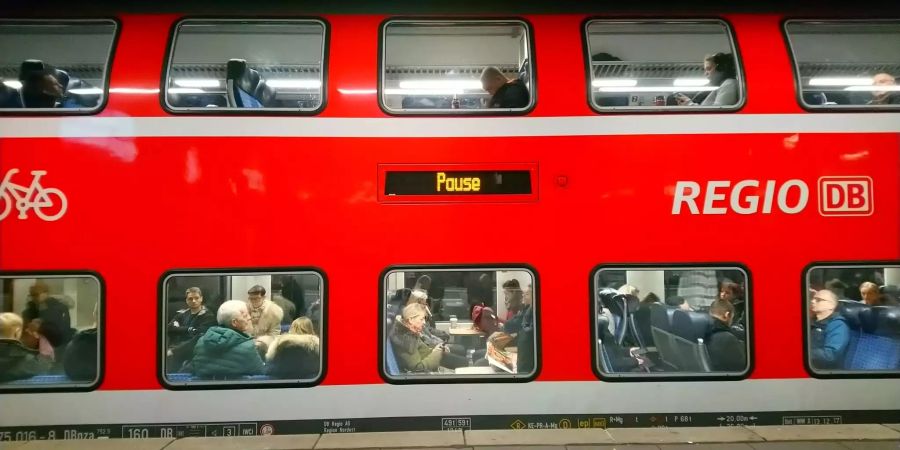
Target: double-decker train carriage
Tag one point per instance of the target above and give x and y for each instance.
(226, 219)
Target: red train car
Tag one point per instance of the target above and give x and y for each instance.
(242, 220)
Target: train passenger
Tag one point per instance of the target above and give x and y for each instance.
(505, 93)
(830, 334)
(721, 71)
(412, 352)
(522, 326)
(734, 294)
(40, 89)
(186, 328)
(885, 97)
(513, 297)
(678, 302)
(228, 349)
(294, 355)
(302, 325)
(288, 308)
(726, 350)
(837, 286)
(872, 295)
(80, 362)
(265, 315)
(48, 316)
(430, 333)
(17, 361)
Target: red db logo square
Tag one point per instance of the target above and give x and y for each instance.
(845, 196)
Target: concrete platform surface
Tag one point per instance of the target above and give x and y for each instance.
(686, 435)
(297, 442)
(826, 432)
(403, 439)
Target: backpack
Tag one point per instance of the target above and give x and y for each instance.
(484, 319)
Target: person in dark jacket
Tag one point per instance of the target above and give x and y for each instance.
(186, 328)
(80, 362)
(505, 93)
(17, 362)
(410, 348)
(830, 335)
(726, 352)
(227, 350)
(522, 325)
(885, 97)
(48, 316)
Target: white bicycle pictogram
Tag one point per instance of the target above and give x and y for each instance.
(31, 197)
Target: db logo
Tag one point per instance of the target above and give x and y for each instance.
(838, 196)
(845, 196)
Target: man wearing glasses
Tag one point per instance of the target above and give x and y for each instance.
(830, 334)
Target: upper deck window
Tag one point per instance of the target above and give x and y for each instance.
(55, 67)
(672, 322)
(846, 64)
(473, 66)
(853, 319)
(246, 65)
(467, 323)
(663, 65)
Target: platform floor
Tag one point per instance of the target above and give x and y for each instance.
(816, 437)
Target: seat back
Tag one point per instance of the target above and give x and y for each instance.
(245, 87)
(661, 330)
(690, 328)
(390, 360)
(10, 97)
(851, 310)
(641, 319)
(878, 344)
(31, 74)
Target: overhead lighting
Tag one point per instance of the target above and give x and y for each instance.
(855, 81)
(185, 91)
(656, 89)
(297, 84)
(196, 82)
(690, 82)
(614, 82)
(357, 91)
(86, 91)
(13, 84)
(423, 91)
(873, 88)
(441, 84)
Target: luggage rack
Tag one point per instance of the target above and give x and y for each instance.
(645, 69)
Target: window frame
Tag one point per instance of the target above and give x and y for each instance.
(161, 320)
(107, 74)
(795, 67)
(492, 112)
(673, 376)
(170, 55)
(454, 379)
(589, 73)
(804, 308)
(101, 331)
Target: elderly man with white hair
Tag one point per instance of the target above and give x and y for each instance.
(830, 335)
(227, 350)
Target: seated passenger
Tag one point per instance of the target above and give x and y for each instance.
(885, 97)
(726, 352)
(294, 356)
(512, 298)
(505, 93)
(830, 334)
(40, 89)
(81, 360)
(430, 333)
(678, 302)
(872, 295)
(410, 348)
(721, 71)
(186, 327)
(48, 317)
(228, 349)
(266, 316)
(16, 361)
(521, 325)
(734, 294)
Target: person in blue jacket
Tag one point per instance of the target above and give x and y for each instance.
(830, 334)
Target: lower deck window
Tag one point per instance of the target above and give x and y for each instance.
(853, 319)
(50, 331)
(459, 323)
(238, 328)
(671, 321)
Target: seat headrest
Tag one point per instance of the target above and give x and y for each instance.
(851, 310)
(602, 323)
(244, 77)
(661, 316)
(606, 298)
(29, 67)
(881, 320)
(690, 325)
